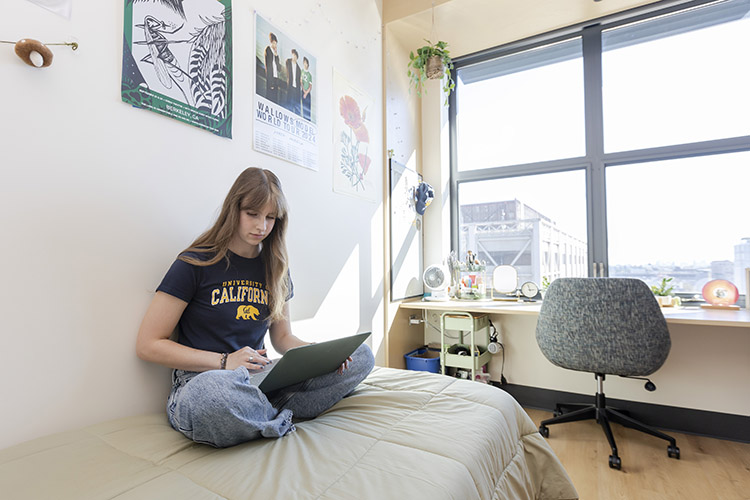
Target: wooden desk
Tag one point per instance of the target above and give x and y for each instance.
(402, 337)
(707, 369)
(673, 315)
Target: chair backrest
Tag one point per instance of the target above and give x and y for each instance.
(603, 325)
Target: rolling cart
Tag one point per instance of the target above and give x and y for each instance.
(474, 357)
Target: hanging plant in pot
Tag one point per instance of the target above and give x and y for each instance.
(431, 61)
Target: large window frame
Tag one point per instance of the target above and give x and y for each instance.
(595, 160)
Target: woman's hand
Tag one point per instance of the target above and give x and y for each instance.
(344, 365)
(249, 358)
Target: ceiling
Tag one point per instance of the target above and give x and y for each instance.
(473, 25)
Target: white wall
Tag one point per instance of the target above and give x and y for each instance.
(97, 198)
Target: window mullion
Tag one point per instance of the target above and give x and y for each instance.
(453, 151)
(595, 182)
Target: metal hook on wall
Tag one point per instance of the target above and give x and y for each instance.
(35, 53)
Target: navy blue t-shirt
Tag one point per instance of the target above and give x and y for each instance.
(227, 307)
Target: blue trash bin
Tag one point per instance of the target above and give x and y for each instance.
(423, 359)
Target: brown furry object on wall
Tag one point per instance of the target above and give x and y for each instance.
(25, 47)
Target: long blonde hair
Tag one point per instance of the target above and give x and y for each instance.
(253, 189)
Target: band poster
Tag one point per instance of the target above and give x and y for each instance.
(177, 61)
(285, 111)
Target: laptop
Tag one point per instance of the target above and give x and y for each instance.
(304, 362)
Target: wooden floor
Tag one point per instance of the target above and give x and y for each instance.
(707, 469)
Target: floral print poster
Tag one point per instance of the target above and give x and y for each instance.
(352, 153)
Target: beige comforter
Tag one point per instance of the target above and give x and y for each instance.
(400, 435)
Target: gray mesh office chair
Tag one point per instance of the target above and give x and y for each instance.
(606, 326)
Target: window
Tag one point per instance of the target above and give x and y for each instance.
(508, 104)
(526, 223)
(629, 137)
(681, 78)
(688, 217)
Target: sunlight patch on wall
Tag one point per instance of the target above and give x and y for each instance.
(339, 314)
(376, 265)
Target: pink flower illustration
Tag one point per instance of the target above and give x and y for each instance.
(361, 134)
(349, 109)
(353, 163)
(364, 162)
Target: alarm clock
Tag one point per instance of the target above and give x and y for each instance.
(530, 290)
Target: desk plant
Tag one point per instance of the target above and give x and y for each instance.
(431, 61)
(545, 284)
(663, 293)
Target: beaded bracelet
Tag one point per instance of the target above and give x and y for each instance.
(224, 360)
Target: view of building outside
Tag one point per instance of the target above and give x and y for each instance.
(518, 230)
(512, 233)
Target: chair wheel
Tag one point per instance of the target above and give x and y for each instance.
(544, 431)
(673, 452)
(615, 462)
(557, 412)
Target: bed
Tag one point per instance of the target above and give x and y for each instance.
(401, 434)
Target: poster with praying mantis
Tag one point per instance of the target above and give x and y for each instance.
(177, 61)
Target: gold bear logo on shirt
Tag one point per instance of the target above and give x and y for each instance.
(247, 312)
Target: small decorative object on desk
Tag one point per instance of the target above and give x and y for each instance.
(505, 283)
(720, 294)
(545, 284)
(472, 282)
(530, 291)
(663, 293)
(436, 279)
(455, 273)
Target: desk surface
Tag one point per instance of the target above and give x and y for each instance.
(673, 315)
